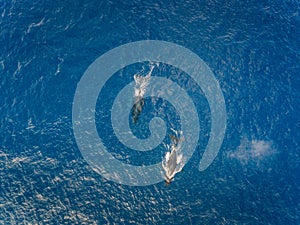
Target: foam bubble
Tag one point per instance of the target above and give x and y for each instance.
(252, 150)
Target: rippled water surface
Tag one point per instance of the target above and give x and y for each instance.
(253, 49)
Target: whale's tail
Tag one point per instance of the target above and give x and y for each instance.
(176, 139)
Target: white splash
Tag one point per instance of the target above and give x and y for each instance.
(252, 150)
(141, 83)
(173, 161)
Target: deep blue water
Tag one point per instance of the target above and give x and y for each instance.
(253, 49)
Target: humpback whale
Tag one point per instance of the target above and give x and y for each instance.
(172, 162)
(137, 109)
(141, 83)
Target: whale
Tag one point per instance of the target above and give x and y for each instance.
(137, 108)
(172, 163)
(141, 83)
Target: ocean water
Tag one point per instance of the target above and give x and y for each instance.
(253, 49)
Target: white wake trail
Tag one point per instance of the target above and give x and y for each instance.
(141, 83)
